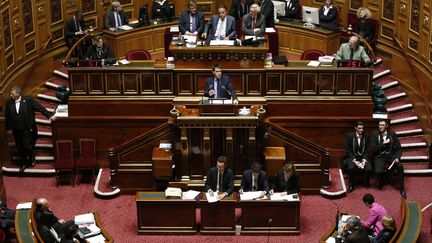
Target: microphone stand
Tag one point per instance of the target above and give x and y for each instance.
(269, 225)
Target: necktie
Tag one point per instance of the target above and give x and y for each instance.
(381, 138)
(352, 54)
(220, 181)
(193, 23)
(255, 183)
(218, 89)
(119, 23)
(253, 23)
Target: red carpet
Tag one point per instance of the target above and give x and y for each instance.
(119, 214)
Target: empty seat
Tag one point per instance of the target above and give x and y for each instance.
(87, 157)
(311, 55)
(138, 55)
(64, 161)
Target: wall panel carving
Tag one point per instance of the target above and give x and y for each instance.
(9, 60)
(355, 4)
(30, 47)
(387, 32)
(388, 10)
(27, 16)
(56, 11)
(88, 6)
(7, 34)
(57, 34)
(413, 44)
(415, 15)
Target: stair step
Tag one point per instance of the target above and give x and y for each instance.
(380, 71)
(377, 61)
(398, 105)
(41, 119)
(407, 129)
(43, 155)
(387, 82)
(394, 93)
(55, 82)
(417, 141)
(62, 72)
(415, 154)
(48, 105)
(403, 116)
(44, 143)
(49, 95)
(37, 169)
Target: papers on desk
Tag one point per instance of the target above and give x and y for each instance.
(87, 218)
(313, 64)
(331, 240)
(284, 197)
(62, 111)
(125, 27)
(89, 230)
(250, 195)
(96, 239)
(174, 29)
(221, 42)
(326, 60)
(270, 30)
(124, 61)
(26, 205)
(190, 38)
(250, 37)
(189, 195)
(212, 199)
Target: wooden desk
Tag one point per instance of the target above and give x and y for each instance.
(219, 217)
(158, 215)
(256, 215)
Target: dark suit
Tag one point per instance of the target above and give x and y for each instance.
(213, 23)
(72, 26)
(248, 28)
(222, 93)
(261, 183)
(364, 29)
(328, 21)
(359, 236)
(158, 9)
(384, 236)
(227, 180)
(110, 20)
(290, 186)
(238, 10)
(46, 218)
(358, 152)
(184, 23)
(267, 10)
(104, 53)
(293, 9)
(386, 154)
(23, 125)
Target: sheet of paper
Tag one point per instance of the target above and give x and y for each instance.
(270, 30)
(313, 63)
(331, 240)
(190, 38)
(174, 29)
(124, 61)
(125, 27)
(212, 199)
(221, 42)
(26, 205)
(191, 194)
(96, 239)
(250, 37)
(250, 195)
(84, 218)
(277, 196)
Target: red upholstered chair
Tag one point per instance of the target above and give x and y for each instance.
(87, 157)
(138, 55)
(311, 55)
(64, 162)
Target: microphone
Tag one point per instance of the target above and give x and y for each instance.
(223, 87)
(269, 225)
(209, 88)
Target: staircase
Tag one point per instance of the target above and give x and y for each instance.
(404, 121)
(44, 148)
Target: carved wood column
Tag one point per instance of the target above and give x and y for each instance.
(184, 154)
(251, 144)
(206, 149)
(229, 144)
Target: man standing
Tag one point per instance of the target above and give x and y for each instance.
(220, 179)
(239, 8)
(356, 155)
(254, 179)
(376, 213)
(191, 21)
(220, 86)
(352, 51)
(221, 26)
(387, 151)
(20, 118)
(74, 28)
(253, 23)
(116, 17)
(267, 10)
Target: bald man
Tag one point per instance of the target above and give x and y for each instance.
(352, 51)
(46, 219)
(116, 17)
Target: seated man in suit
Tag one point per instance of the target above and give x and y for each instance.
(221, 26)
(254, 179)
(254, 23)
(287, 180)
(220, 179)
(356, 154)
(387, 150)
(191, 21)
(46, 219)
(352, 51)
(352, 231)
(116, 17)
(239, 8)
(220, 86)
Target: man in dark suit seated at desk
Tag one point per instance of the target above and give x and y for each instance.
(191, 21)
(220, 86)
(352, 51)
(352, 232)
(221, 26)
(116, 17)
(220, 179)
(254, 179)
(254, 23)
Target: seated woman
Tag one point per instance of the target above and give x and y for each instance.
(287, 180)
(100, 51)
(386, 234)
(328, 16)
(363, 25)
(160, 8)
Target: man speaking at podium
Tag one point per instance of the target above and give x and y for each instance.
(220, 86)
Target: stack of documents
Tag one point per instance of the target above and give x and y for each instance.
(212, 199)
(26, 205)
(96, 239)
(87, 218)
(86, 231)
(250, 195)
(62, 110)
(284, 197)
(189, 195)
(326, 60)
(221, 42)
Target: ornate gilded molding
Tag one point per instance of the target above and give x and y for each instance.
(415, 15)
(413, 44)
(88, 6)
(355, 4)
(41, 11)
(27, 16)
(402, 9)
(388, 10)
(71, 3)
(16, 24)
(56, 11)
(426, 21)
(7, 33)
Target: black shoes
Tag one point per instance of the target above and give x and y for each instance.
(22, 168)
(33, 161)
(403, 194)
(351, 188)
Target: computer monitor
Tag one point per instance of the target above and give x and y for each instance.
(310, 15)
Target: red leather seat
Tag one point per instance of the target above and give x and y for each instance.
(138, 55)
(311, 55)
(87, 157)
(64, 162)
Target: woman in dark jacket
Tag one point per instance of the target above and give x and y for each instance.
(287, 180)
(363, 25)
(386, 234)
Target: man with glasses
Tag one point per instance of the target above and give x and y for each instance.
(116, 17)
(221, 26)
(191, 21)
(254, 22)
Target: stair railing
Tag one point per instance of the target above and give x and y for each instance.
(78, 42)
(36, 61)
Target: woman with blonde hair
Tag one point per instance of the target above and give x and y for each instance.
(387, 233)
(363, 25)
(287, 180)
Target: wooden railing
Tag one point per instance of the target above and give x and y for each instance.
(35, 62)
(75, 45)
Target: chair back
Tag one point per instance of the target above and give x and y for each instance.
(64, 148)
(177, 184)
(87, 147)
(311, 55)
(138, 55)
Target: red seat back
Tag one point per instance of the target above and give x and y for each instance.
(138, 55)
(311, 55)
(87, 147)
